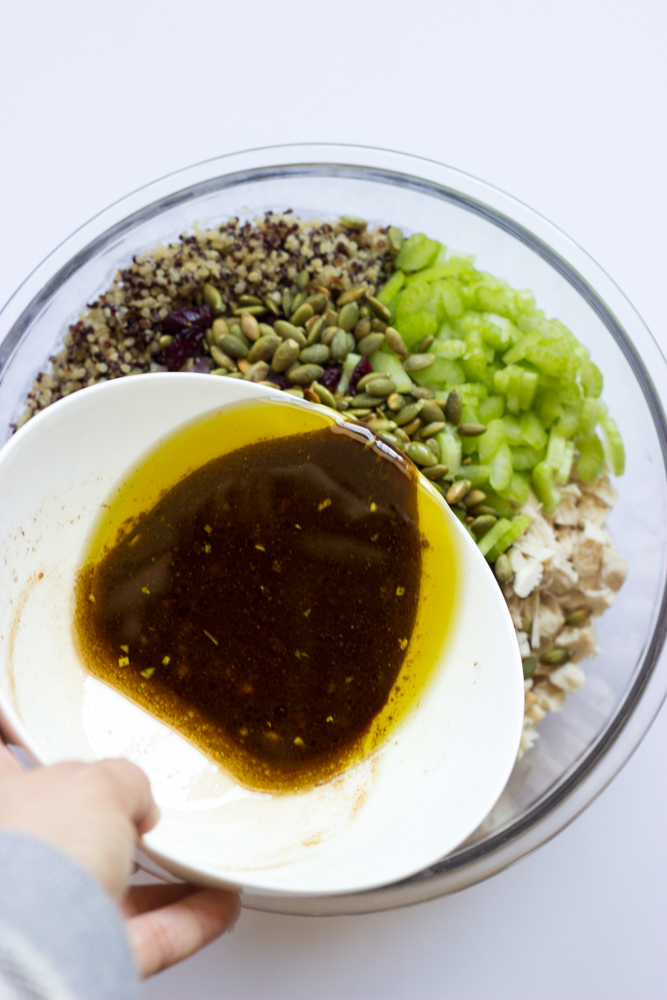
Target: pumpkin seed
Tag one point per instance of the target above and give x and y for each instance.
(233, 346)
(236, 331)
(303, 279)
(305, 374)
(399, 432)
(365, 379)
(454, 407)
(430, 429)
(250, 327)
(392, 439)
(303, 313)
(396, 238)
(471, 429)
(381, 424)
(411, 428)
(396, 342)
(578, 617)
(380, 387)
(166, 340)
(264, 348)
(431, 412)
(355, 412)
(436, 471)
(213, 298)
(339, 345)
(285, 329)
(317, 354)
(395, 402)
(504, 571)
(221, 359)
(341, 402)
(457, 491)
(351, 343)
(328, 334)
(474, 498)
(315, 330)
(253, 310)
(348, 316)
(351, 295)
(379, 308)
(408, 413)
(420, 454)
(556, 657)
(311, 396)
(480, 525)
(331, 317)
(298, 301)
(416, 362)
(296, 390)
(434, 445)
(353, 222)
(529, 662)
(265, 328)
(272, 305)
(286, 301)
(378, 326)
(286, 354)
(423, 345)
(318, 303)
(483, 509)
(362, 329)
(421, 392)
(325, 397)
(219, 329)
(370, 344)
(364, 399)
(249, 300)
(257, 372)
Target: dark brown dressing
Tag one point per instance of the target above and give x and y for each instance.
(262, 607)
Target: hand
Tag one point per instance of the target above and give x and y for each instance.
(96, 813)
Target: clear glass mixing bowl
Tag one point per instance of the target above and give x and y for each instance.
(580, 749)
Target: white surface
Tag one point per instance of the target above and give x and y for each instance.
(560, 104)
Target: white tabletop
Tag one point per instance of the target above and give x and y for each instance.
(559, 104)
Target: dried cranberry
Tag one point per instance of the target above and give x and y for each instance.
(331, 377)
(187, 327)
(363, 368)
(278, 380)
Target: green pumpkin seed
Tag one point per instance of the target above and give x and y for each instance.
(353, 222)
(358, 411)
(296, 390)
(396, 342)
(352, 295)
(351, 343)
(474, 498)
(396, 238)
(370, 344)
(504, 572)
(328, 334)
(420, 454)
(264, 348)
(578, 617)
(421, 392)
(378, 424)
(305, 374)
(365, 379)
(378, 326)
(380, 387)
(423, 345)
(325, 397)
(233, 346)
(286, 354)
(339, 346)
(222, 359)
(302, 315)
(556, 657)
(250, 327)
(436, 471)
(317, 354)
(471, 430)
(166, 340)
(303, 279)
(408, 413)
(236, 331)
(272, 305)
(219, 329)
(363, 399)
(411, 428)
(457, 491)
(348, 316)
(362, 329)
(416, 362)
(257, 372)
(392, 439)
(249, 300)
(252, 310)
(430, 429)
(395, 402)
(400, 432)
(379, 308)
(481, 508)
(529, 662)
(286, 301)
(433, 444)
(265, 328)
(316, 330)
(431, 412)
(213, 298)
(285, 329)
(317, 302)
(480, 525)
(454, 407)
(331, 317)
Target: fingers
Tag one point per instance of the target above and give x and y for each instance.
(190, 920)
(134, 791)
(142, 898)
(8, 762)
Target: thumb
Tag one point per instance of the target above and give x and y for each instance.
(8, 762)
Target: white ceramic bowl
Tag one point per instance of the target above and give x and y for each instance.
(395, 813)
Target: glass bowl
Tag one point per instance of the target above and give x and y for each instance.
(581, 748)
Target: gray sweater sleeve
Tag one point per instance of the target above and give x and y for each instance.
(61, 936)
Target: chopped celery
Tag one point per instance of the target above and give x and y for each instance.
(524, 459)
(440, 372)
(516, 527)
(614, 449)
(518, 489)
(350, 363)
(502, 506)
(591, 379)
(532, 431)
(391, 288)
(491, 408)
(562, 473)
(543, 484)
(591, 458)
(450, 451)
(474, 364)
(488, 540)
(390, 365)
(477, 474)
(501, 468)
(417, 252)
(513, 430)
(491, 440)
(451, 349)
(527, 389)
(555, 449)
(593, 410)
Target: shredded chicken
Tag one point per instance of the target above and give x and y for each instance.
(564, 562)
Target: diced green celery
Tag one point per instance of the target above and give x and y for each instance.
(591, 458)
(514, 379)
(547, 493)
(569, 424)
(390, 365)
(440, 372)
(555, 449)
(474, 364)
(524, 459)
(391, 288)
(472, 394)
(551, 359)
(451, 349)
(415, 326)
(492, 408)
(434, 273)
(532, 431)
(502, 506)
(450, 451)
(350, 363)
(518, 489)
(513, 431)
(488, 540)
(450, 298)
(591, 378)
(562, 473)
(491, 440)
(461, 514)
(477, 474)
(508, 332)
(592, 411)
(518, 351)
(549, 408)
(497, 300)
(614, 449)
(417, 252)
(525, 300)
(517, 527)
(501, 468)
(527, 389)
